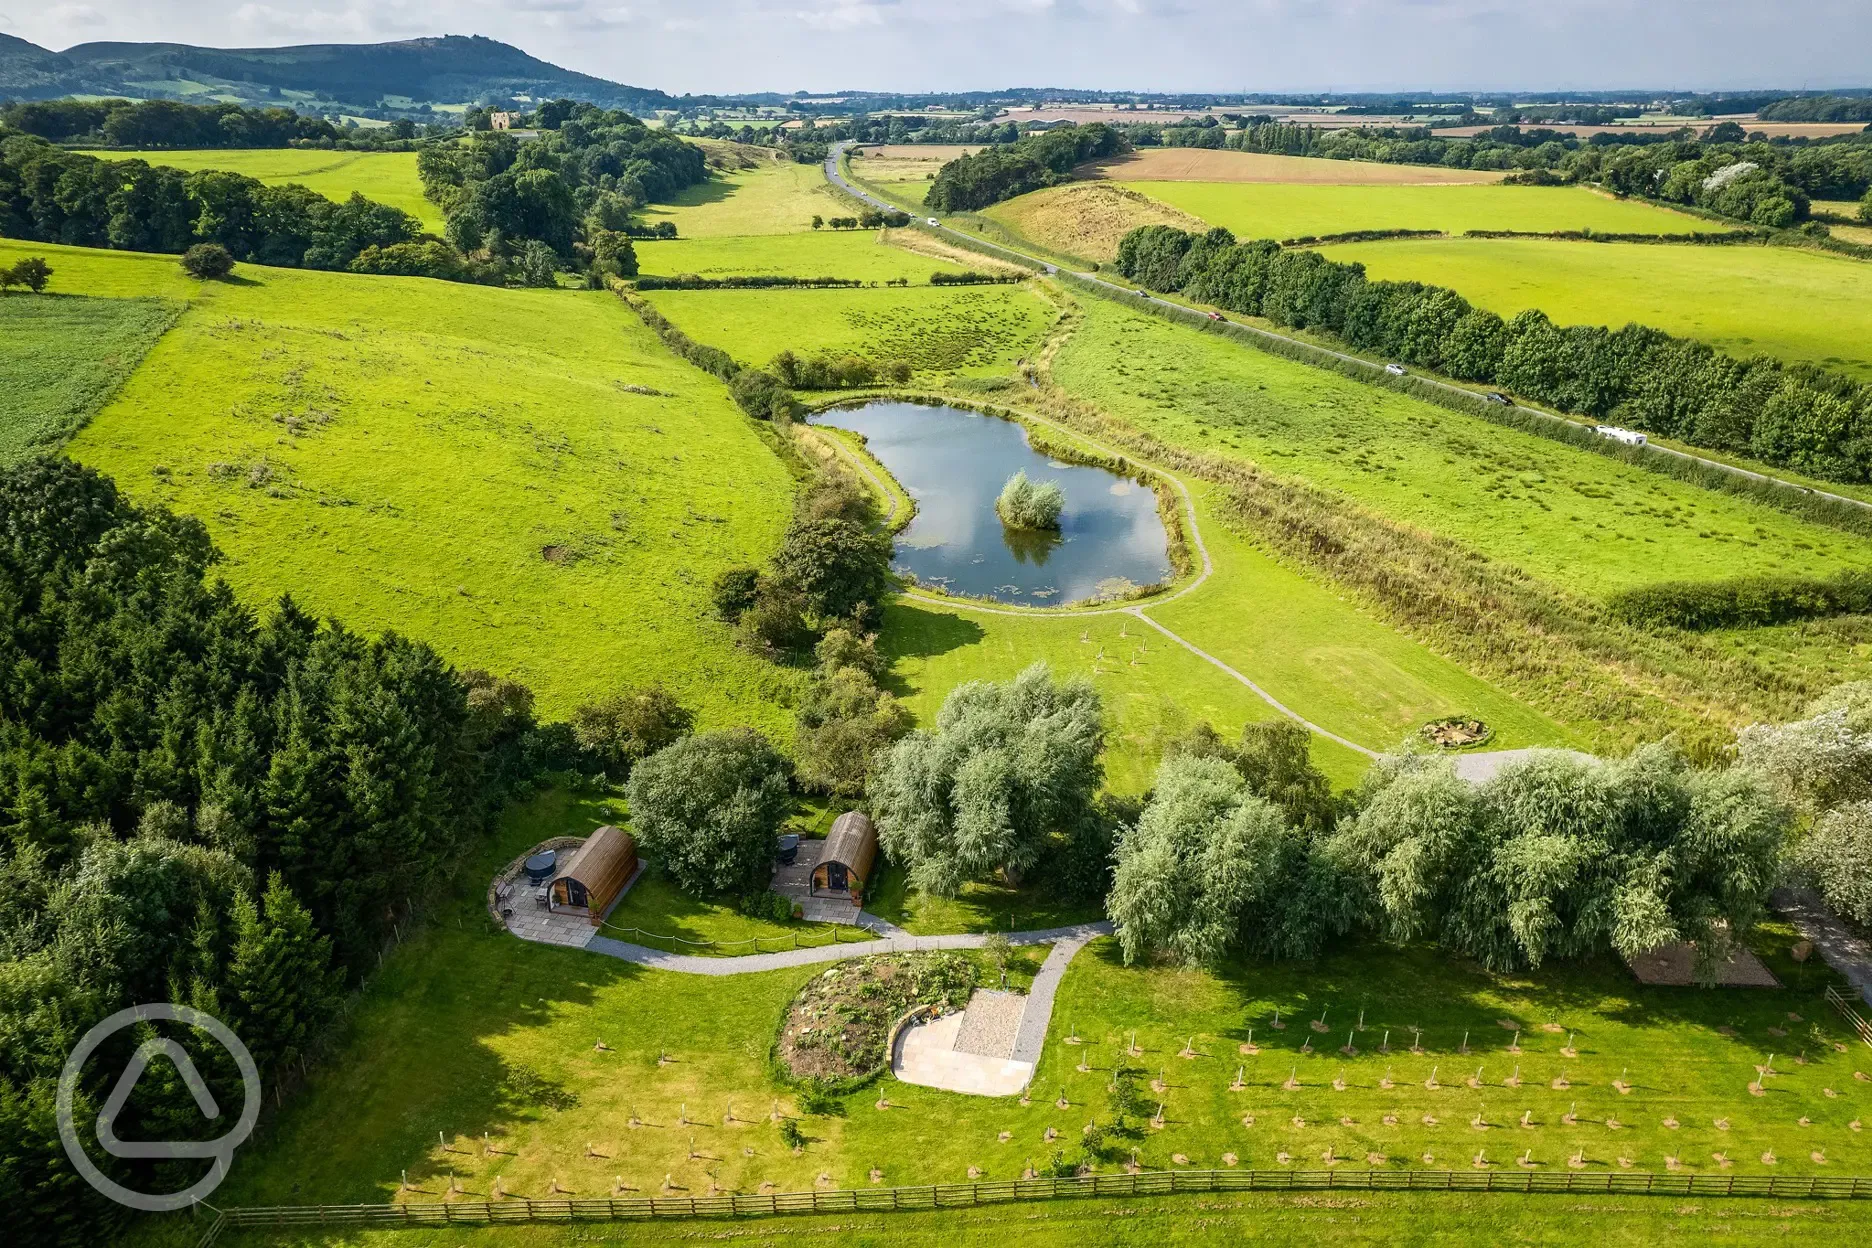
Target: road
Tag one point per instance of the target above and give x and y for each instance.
(936, 226)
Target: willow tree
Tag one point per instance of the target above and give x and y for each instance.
(1565, 856)
(1009, 771)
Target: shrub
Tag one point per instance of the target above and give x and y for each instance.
(762, 395)
(1743, 602)
(790, 1134)
(733, 592)
(537, 264)
(1836, 857)
(208, 261)
(1026, 504)
(709, 807)
(628, 727)
(431, 259)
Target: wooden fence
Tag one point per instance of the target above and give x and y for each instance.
(966, 1195)
(1859, 1024)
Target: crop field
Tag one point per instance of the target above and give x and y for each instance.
(1087, 219)
(866, 255)
(387, 177)
(778, 198)
(969, 330)
(562, 528)
(1297, 210)
(1581, 520)
(1792, 304)
(1197, 164)
(66, 354)
(490, 1042)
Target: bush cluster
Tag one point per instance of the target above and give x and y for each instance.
(1743, 602)
(1028, 504)
(1027, 164)
(826, 372)
(1799, 416)
(755, 281)
(869, 219)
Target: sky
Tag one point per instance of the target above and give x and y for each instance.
(728, 46)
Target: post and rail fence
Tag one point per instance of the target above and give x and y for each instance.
(968, 1195)
(1838, 1001)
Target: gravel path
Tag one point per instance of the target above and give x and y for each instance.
(755, 963)
(1844, 949)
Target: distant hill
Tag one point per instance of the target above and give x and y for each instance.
(379, 77)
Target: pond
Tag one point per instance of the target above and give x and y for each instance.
(954, 463)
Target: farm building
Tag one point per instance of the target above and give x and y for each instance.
(594, 874)
(845, 864)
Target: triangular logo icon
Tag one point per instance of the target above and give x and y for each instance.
(126, 1084)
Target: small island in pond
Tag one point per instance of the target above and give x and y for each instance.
(1029, 504)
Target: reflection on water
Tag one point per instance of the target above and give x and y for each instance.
(954, 463)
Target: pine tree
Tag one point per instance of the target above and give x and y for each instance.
(280, 983)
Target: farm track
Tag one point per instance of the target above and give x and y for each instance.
(930, 223)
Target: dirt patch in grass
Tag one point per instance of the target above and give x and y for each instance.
(837, 1026)
(1087, 218)
(1201, 164)
(924, 244)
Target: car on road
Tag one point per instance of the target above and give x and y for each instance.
(1143, 294)
(1496, 396)
(1215, 316)
(934, 221)
(1396, 370)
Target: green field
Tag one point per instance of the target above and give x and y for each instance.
(1795, 305)
(460, 463)
(1583, 521)
(66, 354)
(459, 1005)
(973, 331)
(1294, 210)
(865, 255)
(387, 177)
(772, 199)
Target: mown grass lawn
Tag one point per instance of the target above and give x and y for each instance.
(462, 464)
(776, 198)
(65, 355)
(387, 177)
(438, 1040)
(1780, 301)
(1583, 521)
(1294, 210)
(863, 255)
(969, 330)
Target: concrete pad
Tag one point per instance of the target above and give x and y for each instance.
(991, 1023)
(926, 1055)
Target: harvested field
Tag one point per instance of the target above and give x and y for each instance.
(1086, 218)
(1196, 164)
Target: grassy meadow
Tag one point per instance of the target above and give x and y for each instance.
(1085, 219)
(1792, 304)
(439, 1038)
(865, 255)
(1296, 210)
(777, 198)
(387, 177)
(1583, 521)
(463, 464)
(970, 330)
(67, 354)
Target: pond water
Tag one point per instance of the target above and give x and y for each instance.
(954, 463)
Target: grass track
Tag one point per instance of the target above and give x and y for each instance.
(65, 355)
(457, 1002)
(1794, 305)
(510, 403)
(387, 177)
(1293, 210)
(1580, 520)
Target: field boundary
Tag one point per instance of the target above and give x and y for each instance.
(964, 1195)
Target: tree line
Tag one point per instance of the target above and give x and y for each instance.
(1798, 416)
(1029, 163)
(164, 123)
(583, 177)
(51, 195)
(203, 804)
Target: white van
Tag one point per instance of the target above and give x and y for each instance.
(934, 221)
(1630, 437)
(1396, 370)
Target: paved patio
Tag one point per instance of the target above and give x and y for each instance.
(927, 1054)
(531, 921)
(794, 882)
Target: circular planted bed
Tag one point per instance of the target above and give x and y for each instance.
(1456, 732)
(837, 1028)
